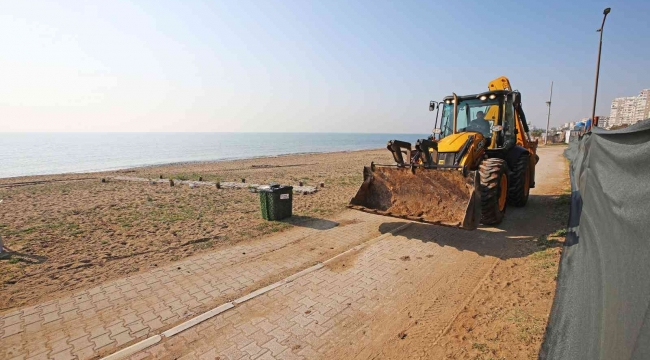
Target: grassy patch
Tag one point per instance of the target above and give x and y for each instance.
(559, 233)
(529, 327)
(545, 260)
(350, 180)
(563, 200)
(168, 213)
(271, 227)
(65, 228)
(545, 242)
(547, 265)
(542, 255)
(480, 347)
(319, 211)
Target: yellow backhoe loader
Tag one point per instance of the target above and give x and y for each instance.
(477, 162)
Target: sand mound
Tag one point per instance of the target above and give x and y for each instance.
(433, 195)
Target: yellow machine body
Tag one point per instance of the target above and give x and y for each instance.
(451, 180)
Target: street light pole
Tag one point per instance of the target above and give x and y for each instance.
(548, 119)
(600, 46)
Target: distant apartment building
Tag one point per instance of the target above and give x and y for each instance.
(630, 110)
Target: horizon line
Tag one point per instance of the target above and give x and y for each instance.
(201, 132)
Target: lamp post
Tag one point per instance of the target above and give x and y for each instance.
(548, 118)
(600, 47)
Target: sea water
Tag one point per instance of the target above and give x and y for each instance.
(24, 154)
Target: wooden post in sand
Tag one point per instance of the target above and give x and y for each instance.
(171, 182)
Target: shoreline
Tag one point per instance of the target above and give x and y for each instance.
(181, 163)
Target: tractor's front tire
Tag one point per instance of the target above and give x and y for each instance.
(519, 182)
(494, 190)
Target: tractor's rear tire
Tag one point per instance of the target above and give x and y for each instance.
(519, 182)
(494, 190)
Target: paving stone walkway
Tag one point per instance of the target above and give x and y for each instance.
(339, 311)
(101, 320)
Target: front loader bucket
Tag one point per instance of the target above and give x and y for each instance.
(438, 196)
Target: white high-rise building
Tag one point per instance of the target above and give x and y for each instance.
(630, 110)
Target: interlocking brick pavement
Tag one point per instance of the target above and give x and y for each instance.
(340, 309)
(104, 319)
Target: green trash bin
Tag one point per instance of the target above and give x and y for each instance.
(276, 202)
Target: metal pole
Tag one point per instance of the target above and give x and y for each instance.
(600, 46)
(548, 119)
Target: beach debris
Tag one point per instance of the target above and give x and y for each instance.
(322, 184)
(192, 185)
(237, 185)
(300, 183)
(200, 178)
(219, 185)
(305, 189)
(103, 180)
(151, 182)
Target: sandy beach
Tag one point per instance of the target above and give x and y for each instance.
(72, 231)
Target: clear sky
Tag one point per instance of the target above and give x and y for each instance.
(326, 66)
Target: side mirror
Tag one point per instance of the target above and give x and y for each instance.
(437, 131)
(432, 105)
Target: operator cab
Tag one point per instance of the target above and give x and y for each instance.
(480, 113)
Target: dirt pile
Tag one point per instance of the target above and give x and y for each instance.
(431, 195)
